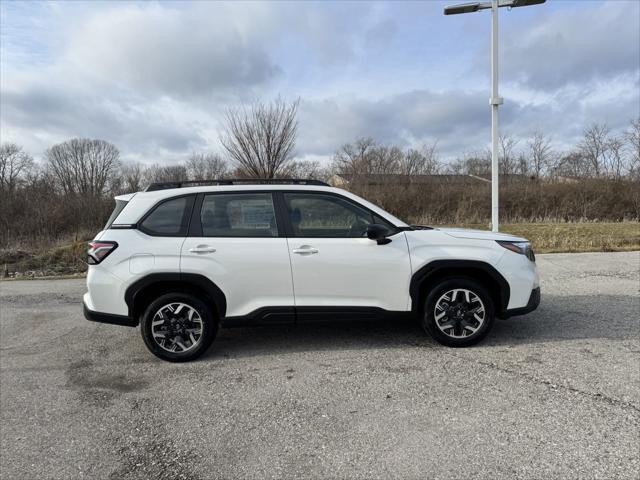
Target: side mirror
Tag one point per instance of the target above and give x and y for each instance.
(378, 233)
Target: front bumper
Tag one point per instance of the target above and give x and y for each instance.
(108, 318)
(532, 304)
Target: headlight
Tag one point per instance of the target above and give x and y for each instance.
(523, 248)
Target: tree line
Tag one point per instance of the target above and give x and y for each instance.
(69, 193)
(599, 154)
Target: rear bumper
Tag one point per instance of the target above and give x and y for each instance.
(532, 304)
(108, 318)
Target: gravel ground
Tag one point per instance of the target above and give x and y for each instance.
(555, 394)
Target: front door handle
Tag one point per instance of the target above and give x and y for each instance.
(305, 250)
(202, 249)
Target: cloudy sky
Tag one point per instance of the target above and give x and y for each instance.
(156, 78)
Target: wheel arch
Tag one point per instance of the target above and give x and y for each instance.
(144, 290)
(431, 273)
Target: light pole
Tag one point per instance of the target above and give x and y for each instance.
(495, 100)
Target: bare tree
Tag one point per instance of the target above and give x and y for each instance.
(421, 162)
(633, 139)
(478, 163)
(352, 158)
(206, 166)
(14, 165)
(366, 157)
(616, 161)
(540, 154)
(456, 167)
(522, 164)
(384, 160)
(83, 165)
(572, 164)
(132, 177)
(169, 173)
(261, 139)
(594, 147)
(507, 157)
(307, 169)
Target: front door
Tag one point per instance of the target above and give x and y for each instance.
(235, 241)
(334, 264)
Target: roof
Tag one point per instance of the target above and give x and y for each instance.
(145, 200)
(234, 181)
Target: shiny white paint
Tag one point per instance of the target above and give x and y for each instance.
(439, 244)
(265, 272)
(251, 272)
(480, 234)
(522, 276)
(351, 272)
(137, 255)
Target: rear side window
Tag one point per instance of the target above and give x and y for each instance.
(120, 204)
(169, 219)
(241, 215)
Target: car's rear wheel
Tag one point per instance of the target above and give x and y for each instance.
(178, 327)
(458, 312)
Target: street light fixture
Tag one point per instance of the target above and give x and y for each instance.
(495, 100)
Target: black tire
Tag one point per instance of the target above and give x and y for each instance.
(209, 327)
(428, 319)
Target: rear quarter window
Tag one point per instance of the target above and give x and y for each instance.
(120, 204)
(169, 218)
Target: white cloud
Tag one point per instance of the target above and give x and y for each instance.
(156, 78)
(574, 45)
(162, 51)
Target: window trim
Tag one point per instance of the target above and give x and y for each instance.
(195, 227)
(393, 229)
(184, 229)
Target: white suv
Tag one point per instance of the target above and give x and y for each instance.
(182, 260)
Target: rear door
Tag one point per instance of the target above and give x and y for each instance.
(236, 241)
(334, 265)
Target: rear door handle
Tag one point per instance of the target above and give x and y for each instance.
(305, 250)
(202, 249)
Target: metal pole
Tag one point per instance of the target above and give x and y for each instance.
(495, 101)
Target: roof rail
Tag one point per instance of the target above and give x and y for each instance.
(234, 181)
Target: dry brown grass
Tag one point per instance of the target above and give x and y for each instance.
(574, 237)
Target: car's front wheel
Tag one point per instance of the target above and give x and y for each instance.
(458, 312)
(178, 327)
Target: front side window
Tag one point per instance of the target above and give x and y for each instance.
(328, 216)
(170, 218)
(238, 215)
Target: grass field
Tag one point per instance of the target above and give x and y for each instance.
(68, 259)
(574, 237)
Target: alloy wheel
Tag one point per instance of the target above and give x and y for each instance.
(459, 313)
(177, 327)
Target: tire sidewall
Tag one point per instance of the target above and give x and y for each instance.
(428, 320)
(209, 324)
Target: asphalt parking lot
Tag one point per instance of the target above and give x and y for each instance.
(555, 394)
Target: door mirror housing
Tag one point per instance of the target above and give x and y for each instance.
(378, 233)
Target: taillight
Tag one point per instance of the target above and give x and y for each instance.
(98, 251)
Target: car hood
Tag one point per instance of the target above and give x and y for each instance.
(480, 234)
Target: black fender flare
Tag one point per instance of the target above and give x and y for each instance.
(200, 282)
(437, 268)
